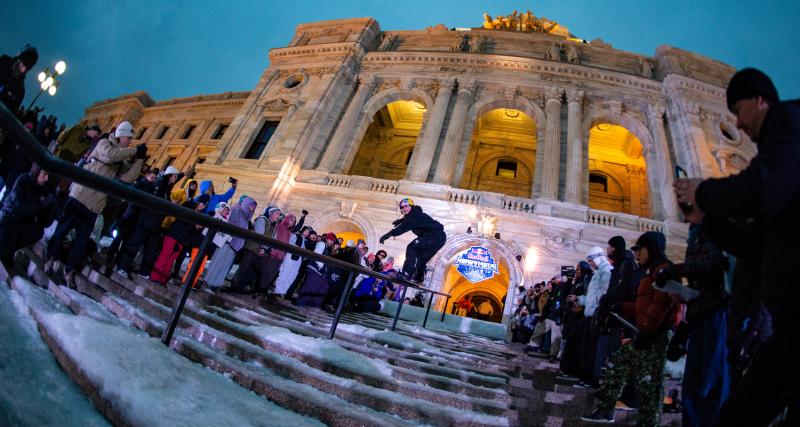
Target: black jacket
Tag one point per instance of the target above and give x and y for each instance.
(768, 190)
(28, 203)
(426, 228)
(13, 87)
(183, 231)
(704, 268)
(624, 281)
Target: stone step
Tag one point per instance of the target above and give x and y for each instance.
(410, 410)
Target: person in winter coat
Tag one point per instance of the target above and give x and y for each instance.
(207, 187)
(179, 234)
(75, 141)
(575, 324)
(12, 76)
(184, 192)
(225, 254)
(644, 358)
(222, 212)
(430, 238)
(126, 224)
(290, 265)
(368, 294)
(147, 232)
(111, 158)
(315, 286)
(766, 191)
(257, 261)
(595, 345)
(706, 376)
(26, 212)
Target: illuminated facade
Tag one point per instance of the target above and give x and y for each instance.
(515, 128)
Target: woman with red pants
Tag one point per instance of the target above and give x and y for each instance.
(179, 235)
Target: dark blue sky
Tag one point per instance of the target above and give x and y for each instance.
(174, 49)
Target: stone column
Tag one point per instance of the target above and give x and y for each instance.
(420, 163)
(552, 157)
(662, 173)
(575, 172)
(346, 126)
(455, 133)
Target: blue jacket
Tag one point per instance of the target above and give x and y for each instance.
(215, 198)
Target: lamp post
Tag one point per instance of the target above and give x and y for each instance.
(48, 80)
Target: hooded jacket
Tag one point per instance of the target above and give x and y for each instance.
(110, 160)
(240, 217)
(179, 195)
(283, 233)
(597, 286)
(215, 198)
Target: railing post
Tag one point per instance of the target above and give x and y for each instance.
(342, 300)
(444, 310)
(399, 307)
(430, 302)
(166, 337)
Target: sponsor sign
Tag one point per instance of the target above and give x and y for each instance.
(476, 264)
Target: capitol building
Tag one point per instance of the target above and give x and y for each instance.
(518, 136)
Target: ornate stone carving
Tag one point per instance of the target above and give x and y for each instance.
(348, 209)
(278, 104)
(615, 107)
(554, 52)
(553, 92)
(448, 83)
(575, 95)
(430, 87)
(466, 85)
(655, 112)
(459, 44)
(572, 54)
(525, 22)
(635, 170)
(476, 43)
(388, 42)
(645, 68)
(388, 84)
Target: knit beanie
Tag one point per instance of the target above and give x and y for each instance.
(749, 83)
(596, 253)
(618, 243)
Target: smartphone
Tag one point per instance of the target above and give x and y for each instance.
(680, 173)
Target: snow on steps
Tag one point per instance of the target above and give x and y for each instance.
(134, 380)
(433, 410)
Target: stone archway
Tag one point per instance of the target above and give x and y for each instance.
(641, 201)
(503, 252)
(375, 103)
(355, 223)
(483, 106)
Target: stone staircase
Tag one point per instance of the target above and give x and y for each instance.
(367, 375)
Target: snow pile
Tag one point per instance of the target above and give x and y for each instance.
(392, 339)
(328, 351)
(148, 382)
(36, 392)
(409, 313)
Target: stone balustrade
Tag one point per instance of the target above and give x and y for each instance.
(490, 200)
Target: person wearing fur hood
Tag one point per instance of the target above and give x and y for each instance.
(596, 257)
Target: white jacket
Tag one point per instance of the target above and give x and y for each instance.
(597, 286)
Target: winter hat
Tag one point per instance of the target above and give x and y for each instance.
(220, 207)
(361, 242)
(330, 236)
(170, 170)
(654, 241)
(749, 83)
(248, 203)
(407, 201)
(203, 198)
(583, 265)
(29, 55)
(596, 253)
(618, 243)
(124, 129)
(270, 210)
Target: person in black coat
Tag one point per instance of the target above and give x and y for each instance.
(768, 191)
(29, 208)
(430, 238)
(13, 70)
(127, 222)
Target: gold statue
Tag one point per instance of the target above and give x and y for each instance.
(527, 22)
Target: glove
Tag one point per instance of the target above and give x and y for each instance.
(642, 342)
(385, 237)
(141, 151)
(666, 274)
(397, 222)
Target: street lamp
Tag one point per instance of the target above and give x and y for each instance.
(48, 80)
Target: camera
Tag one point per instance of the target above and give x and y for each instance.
(233, 180)
(305, 212)
(568, 271)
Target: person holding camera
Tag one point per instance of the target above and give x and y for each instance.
(257, 261)
(111, 158)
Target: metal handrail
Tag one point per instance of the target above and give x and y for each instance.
(37, 153)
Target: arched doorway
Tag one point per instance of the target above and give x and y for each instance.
(490, 292)
(509, 275)
(389, 141)
(346, 229)
(502, 153)
(617, 179)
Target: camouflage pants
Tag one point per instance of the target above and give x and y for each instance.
(646, 367)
